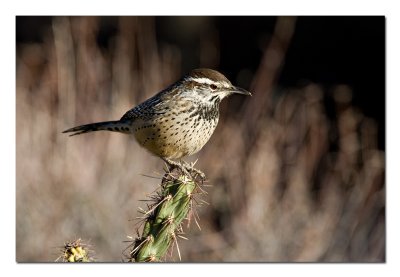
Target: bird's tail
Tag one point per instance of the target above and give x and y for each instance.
(113, 126)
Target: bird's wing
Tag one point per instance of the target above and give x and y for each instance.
(150, 109)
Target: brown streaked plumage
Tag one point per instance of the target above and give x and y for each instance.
(179, 120)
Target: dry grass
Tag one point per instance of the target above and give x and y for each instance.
(288, 183)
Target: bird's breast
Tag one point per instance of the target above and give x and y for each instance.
(176, 135)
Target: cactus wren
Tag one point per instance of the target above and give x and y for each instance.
(176, 122)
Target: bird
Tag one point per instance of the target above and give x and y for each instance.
(176, 122)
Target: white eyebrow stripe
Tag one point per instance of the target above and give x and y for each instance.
(203, 81)
(207, 81)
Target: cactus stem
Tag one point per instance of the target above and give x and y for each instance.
(174, 202)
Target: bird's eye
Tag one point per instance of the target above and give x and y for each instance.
(213, 87)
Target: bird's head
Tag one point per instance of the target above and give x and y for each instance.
(209, 85)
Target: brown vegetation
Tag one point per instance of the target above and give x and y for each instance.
(288, 182)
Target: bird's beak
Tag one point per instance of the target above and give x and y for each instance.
(240, 91)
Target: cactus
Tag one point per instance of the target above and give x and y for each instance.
(75, 251)
(164, 217)
(172, 203)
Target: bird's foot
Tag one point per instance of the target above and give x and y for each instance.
(186, 168)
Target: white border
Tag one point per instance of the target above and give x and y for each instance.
(204, 7)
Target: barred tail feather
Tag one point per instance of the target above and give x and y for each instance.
(113, 126)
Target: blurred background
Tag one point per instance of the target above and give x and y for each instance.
(297, 171)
